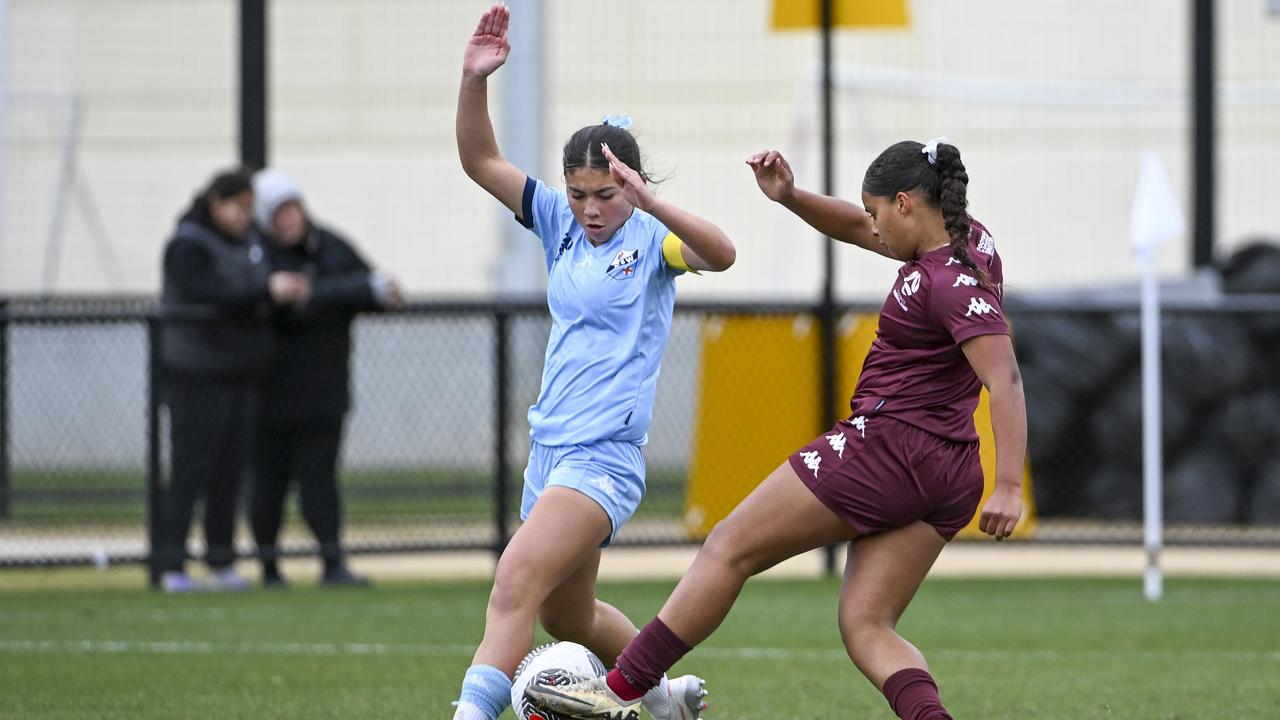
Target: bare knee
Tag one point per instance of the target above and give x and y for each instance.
(515, 589)
(860, 630)
(564, 624)
(725, 548)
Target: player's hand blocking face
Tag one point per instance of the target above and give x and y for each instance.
(634, 189)
(488, 48)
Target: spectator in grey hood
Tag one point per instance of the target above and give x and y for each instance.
(305, 390)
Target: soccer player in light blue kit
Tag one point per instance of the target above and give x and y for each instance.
(613, 252)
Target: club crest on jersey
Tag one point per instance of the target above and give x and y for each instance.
(624, 264)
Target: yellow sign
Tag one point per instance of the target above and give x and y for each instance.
(758, 403)
(801, 14)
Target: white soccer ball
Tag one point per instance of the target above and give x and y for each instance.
(550, 664)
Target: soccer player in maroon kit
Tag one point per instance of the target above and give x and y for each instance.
(900, 476)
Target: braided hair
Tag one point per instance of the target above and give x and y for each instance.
(904, 166)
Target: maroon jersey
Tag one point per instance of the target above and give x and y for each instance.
(915, 371)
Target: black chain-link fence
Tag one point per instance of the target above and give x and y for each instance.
(435, 444)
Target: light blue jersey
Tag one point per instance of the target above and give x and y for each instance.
(610, 315)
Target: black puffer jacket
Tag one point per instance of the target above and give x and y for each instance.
(226, 278)
(309, 376)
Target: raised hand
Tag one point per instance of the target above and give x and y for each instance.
(773, 175)
(634, 188)
(488, 48)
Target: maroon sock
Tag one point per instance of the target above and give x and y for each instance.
(642, 663)
(913, 695)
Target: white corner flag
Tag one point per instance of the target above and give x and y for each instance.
(1156, 219)
(1156, 216)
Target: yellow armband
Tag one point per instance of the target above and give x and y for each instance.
(671, 252)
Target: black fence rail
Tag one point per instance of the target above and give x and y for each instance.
(436, 441)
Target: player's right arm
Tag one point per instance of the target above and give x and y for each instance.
(478, 150)
(830, 216)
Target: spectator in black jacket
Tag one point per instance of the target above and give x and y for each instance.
(305, 391)
(215, 347)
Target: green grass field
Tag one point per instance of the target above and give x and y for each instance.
(1000, 649)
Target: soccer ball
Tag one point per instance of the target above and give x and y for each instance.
(550, 664)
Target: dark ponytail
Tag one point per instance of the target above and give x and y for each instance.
(904, 166)
(583, 149)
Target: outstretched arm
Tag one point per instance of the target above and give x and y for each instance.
(706, 247)
(995, 365)
(830, 216)
(478, 150)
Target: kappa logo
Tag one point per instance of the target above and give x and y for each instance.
(952, 261)
(962, 279)
(986, 243)
(860, 422)
(979, 306)
(811, 461)
(607, 486)
(837, 441)
(624, 257)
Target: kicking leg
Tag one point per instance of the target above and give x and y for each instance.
(574, 526)
(780, 519)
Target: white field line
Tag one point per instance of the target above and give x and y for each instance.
(186, 647)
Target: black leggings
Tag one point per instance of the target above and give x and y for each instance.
(211, 430)
(307, 452)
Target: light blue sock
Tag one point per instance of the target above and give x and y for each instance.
(488, 688)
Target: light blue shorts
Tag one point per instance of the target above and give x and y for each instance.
(609, 472)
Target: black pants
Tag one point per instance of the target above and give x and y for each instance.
(211, 426)
(308, 453)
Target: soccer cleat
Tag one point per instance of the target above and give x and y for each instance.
(584, 698)
(686, 695)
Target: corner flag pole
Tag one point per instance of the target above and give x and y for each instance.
(1156, 219)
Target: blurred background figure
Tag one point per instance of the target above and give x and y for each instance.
(216, 344)
(306, 391)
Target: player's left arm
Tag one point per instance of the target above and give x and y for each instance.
(706, 247)
(703, 245)
(992, 359)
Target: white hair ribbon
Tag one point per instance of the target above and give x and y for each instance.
(931, 148)
(622, 122)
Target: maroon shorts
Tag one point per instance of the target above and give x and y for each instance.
(879, 473)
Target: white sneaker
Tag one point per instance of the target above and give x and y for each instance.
(228, 579)
(678, 699)
(175, 582)
(584, 698)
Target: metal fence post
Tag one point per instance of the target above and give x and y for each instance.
(827, 314)
(501, 468)
(155, 493)
(4, 410)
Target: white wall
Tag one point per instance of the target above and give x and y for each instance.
(363, 101)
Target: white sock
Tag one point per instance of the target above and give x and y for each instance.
(658, 700)
(469, 711)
